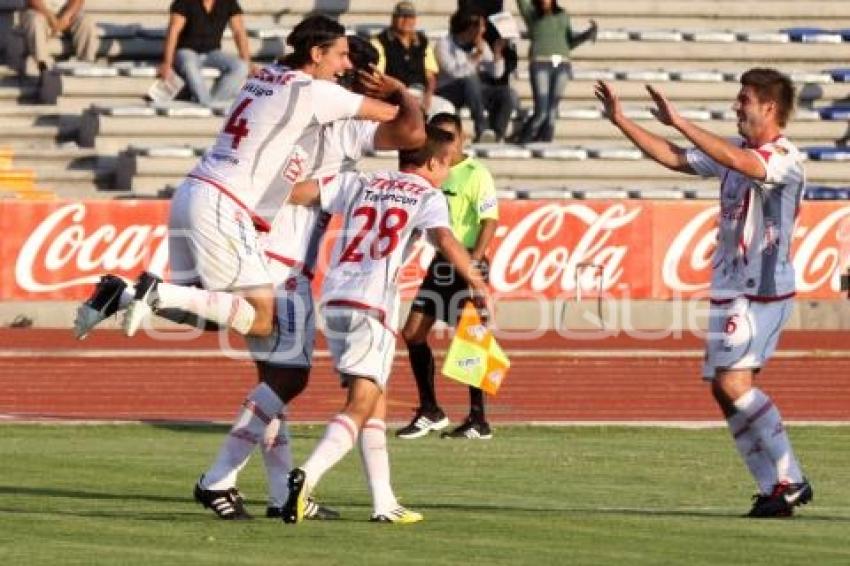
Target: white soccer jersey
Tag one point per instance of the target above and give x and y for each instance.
(756, 225)
(273, 110)
(322, 151)
(382, 213)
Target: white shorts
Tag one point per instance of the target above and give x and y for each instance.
(294, 334)
(212, 241)
(743, 334)
(360, 344)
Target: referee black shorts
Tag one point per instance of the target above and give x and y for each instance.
(443, 292)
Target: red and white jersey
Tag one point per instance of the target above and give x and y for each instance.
(322, 151)
(756, 225)
(275, 107)
(383, 214)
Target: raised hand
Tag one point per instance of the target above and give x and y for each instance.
(610, 102)
(664, 110)
(379, 85)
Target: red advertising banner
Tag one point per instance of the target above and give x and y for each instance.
(639, 249)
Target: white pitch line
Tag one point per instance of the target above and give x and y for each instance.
(323, 354)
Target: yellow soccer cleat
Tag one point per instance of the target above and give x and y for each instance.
(296, 504)
(400, 515)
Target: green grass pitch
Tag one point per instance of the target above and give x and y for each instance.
(532, 495)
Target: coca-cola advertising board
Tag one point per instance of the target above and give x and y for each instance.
(636, 249)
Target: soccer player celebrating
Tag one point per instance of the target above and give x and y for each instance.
(752, 285)
(383, 212)
(284, 358)
(237, 186)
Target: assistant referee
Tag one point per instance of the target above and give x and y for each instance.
(474, 213)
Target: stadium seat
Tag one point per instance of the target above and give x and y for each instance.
(549, 151)
(612, 35)
(616, 153)
(656, 194)
(711, 36)
(810, 77)
(500, 151)
(709, 76)
(827, 153)
(820, 193)
(657, 75)
(812, 35)
(760, 36)
(835, 113)
(660, 35)
(600, 194)
(701, 194)
(840, 75)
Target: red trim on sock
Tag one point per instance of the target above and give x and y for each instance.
(376, 424)
(741, 432)
(768, 405)
(245, 434)
(258, 412)
(347, 425)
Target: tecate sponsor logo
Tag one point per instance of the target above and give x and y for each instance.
(61, 245)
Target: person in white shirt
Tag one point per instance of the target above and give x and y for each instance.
(284, 359)
(761, 188)
(382, 214)
(236, 189)
(464, 56)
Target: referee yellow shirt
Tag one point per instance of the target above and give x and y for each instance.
(471, 193)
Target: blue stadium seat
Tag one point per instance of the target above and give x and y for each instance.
(827, 153)
(835, 113)
(840, 75)
(813, 35)
(818, 192)
(845, 33)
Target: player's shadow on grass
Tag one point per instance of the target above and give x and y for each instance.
(88, 495)
(627, 511)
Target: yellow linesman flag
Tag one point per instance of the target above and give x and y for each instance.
(474, 357)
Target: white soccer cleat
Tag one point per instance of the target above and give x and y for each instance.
(142, 307)
(103, 303)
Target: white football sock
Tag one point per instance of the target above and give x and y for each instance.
(225, 309)
(257, 411)
(752, 452)
(763, 418)
(339, 438)
(277, 456)
(376, 464)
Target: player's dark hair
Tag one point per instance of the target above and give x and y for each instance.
(313, 31)
(437, 143)
(772, 86)
(443, 118)
(362, 54)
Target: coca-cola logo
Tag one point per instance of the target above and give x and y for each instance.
(533, 253)
(59, 253)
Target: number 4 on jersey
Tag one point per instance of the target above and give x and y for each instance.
(236, 126)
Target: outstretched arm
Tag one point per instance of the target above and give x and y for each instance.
(661, 150)
(719, 149)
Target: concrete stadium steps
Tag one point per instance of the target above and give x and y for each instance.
(681, 92)
(148, 175)
(95, 126)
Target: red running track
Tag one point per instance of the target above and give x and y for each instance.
(47, 374)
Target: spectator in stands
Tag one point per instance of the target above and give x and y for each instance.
(405, 54)
(464, 56)
(193, 41)
(46, 18)
(552, 39)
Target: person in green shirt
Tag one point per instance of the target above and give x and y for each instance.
(551, 40)
(474, 216)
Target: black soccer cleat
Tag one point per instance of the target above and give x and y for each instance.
(101, 304)
(472, 429)
(227, 504)
(782, 500)
(295, 507)
(423, 422)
